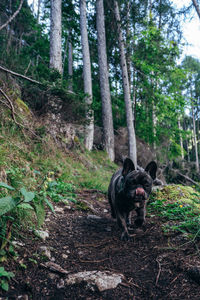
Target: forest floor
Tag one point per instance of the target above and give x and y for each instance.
(154, 265)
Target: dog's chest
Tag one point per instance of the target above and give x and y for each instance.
(127, 205)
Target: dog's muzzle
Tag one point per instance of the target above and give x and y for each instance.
(140, 192)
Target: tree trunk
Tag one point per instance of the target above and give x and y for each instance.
(55, 36)
(181, 138)
(38, 11)
(70, 64)
(89, 128)
(108, 133)
(196, 7)
(195, 140)
(127, 98)
(128, 44)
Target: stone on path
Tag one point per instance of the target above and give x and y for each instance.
(102, 280)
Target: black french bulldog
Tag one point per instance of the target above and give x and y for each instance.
(129, 189)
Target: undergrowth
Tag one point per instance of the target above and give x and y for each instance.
(179, 207)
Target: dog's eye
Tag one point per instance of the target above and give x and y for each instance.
(131, 183)
(146, 183)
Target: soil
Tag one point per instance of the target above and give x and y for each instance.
(155, 265)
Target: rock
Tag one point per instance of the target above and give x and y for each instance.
(93, 217)
(194, 273)
(61, 284)
(22, 297)
(53, 276)
(101, 280)
(108, 229)
(59, 209)
(42, 234)
(45, 251)
(65, 256)
(18, 244)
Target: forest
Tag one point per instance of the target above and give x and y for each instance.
(83, 85)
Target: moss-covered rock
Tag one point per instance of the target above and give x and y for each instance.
(178, 193)
(22, 106)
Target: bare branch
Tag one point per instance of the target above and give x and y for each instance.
(13, 16)
(11, 106)
(19, 75)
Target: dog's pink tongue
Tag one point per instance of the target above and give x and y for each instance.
(140, 191)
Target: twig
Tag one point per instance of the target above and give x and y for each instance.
(90, 245)
(174, 280)
(11, 106)
(159, 271)
(27, 67)
(19, 75)
(13, 16)
(54, 267)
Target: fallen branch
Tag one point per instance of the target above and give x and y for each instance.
(13, 16)
(54, 267)
(19, 75)
(187, 178)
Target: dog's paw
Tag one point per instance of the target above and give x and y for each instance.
(139, 222)
(125, 236)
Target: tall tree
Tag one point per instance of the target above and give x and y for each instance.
(70, 63)
(89, 128)
(195, 137)
(56, 36)
(126, 88)
(196, 5)
(108, 133)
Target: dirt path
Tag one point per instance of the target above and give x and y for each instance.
(154, 265)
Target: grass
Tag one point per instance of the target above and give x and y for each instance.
(51, 173)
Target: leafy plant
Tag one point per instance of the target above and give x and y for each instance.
(9, 207)
(186, 216)
(57, 190)
(4, 278)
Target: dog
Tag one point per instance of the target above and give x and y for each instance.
(129, 189)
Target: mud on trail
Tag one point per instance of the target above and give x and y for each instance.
(154, 265)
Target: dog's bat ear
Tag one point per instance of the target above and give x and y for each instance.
(128, 166)
(151, 168)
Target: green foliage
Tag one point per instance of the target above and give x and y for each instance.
(179, 205)
(4, 278)
(57, 190)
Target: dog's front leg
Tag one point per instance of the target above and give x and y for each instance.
(121, 220)
(141, 213)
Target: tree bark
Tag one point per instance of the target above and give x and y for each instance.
(196, 7)
(13, 16)
(127, 98)
(181, 138)
(70, 64)
(108, 132)
(89, 128)
(38, 11)
(55, 36)
(195, 140)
